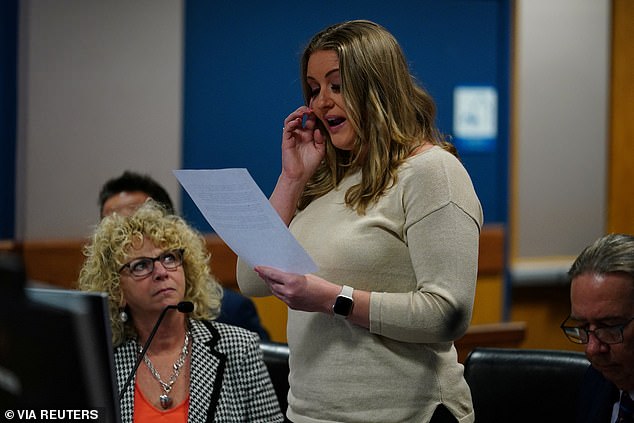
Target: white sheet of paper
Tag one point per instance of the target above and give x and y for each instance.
(242, 216)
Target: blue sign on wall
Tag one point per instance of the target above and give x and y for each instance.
(475, 125)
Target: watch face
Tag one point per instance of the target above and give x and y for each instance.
(343, 306)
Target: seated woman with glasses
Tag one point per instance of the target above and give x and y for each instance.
(195, 369)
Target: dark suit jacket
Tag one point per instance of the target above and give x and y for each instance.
(229, 381)
(596, 398)
(240, 311)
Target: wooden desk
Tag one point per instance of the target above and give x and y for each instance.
(498, 335)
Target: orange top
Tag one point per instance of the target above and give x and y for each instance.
(144, 411)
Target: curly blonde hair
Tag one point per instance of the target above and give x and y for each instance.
(390, 113)
(109, 249)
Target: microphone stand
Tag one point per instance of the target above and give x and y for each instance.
(183, 307)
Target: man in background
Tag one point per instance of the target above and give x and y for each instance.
(125, 193)
(602, 311)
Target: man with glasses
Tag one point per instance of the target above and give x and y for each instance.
(602, 310)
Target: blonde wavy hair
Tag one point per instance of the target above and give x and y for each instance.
(111, 244)
(390, 113)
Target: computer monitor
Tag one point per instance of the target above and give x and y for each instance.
(56, 351)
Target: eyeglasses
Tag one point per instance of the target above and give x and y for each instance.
(605, 334)
(144, 266)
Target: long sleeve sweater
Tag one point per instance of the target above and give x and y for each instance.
(416, 251)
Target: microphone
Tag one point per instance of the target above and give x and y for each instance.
(183, 307)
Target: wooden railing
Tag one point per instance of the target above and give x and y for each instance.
(499, 335)
(57, 262)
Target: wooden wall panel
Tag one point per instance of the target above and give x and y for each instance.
(621, 169)
(57, 262)
(543, 308)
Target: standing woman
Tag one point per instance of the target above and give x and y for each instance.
(195, 370)
(373, 192)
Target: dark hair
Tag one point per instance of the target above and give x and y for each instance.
(608, 254)
(130, 182)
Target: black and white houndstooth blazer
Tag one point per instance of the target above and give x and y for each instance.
(229, 381)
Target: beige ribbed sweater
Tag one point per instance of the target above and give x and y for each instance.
(416, 251)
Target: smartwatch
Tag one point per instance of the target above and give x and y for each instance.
(344, 302)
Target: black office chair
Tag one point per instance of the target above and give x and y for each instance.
(524, 385)
(276, 360)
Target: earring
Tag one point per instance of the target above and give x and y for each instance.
(123, 316)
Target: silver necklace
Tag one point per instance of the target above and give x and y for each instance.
(165, 400)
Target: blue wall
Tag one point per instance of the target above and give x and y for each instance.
(241, 81)
(242, 77)
(8, 93)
